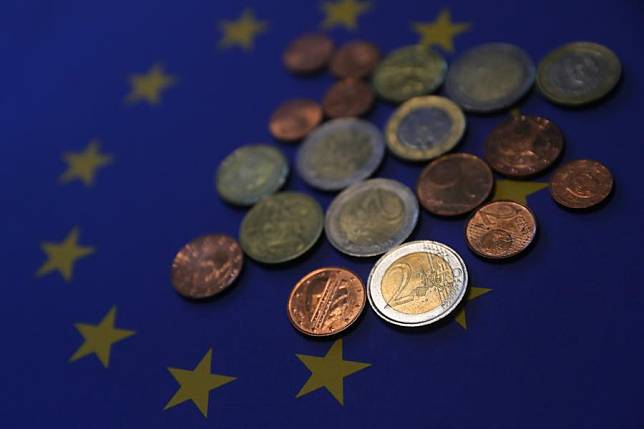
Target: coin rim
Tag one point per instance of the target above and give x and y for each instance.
(567, 164)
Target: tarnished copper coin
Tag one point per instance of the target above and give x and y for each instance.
(523, 146)
(500, 229)
(347, 98)
(454, 184)
(308, 53)
(355, 59)
(294, 119)
(326, 301)
(581, 184)
(206, 266)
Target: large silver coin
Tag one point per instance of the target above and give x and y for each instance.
(371, 217)
(417, 283)
(490, 77)
(340, 153)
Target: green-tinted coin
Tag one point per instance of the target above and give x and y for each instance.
(281, 227)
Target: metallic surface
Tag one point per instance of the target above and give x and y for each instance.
(348, 98)
(308, 53)
(294, 119)
(355, 59)
(581, 184)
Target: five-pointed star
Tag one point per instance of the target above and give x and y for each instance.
(329, 372)
(196, 385)
(472, 293)
(150, 85)
(99, 338)
(440, 32)
(343, 13)
(242, 31)
(62, 256)
(83, 165)
(516, 190)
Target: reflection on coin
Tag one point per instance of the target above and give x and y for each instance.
(308, 53)
(417, 283)
(340, 153)
(355, 59)
(490, 77)
(578, 73)
(347, 98)
(251, 173)
(294, 119)
(408, 72)
(206, 266)
(281, 227)
(424, 128)
(371, 217)
(326, 301)
(454, 184)
(500, 229)
(581, 184)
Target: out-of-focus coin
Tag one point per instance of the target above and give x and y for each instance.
(424, 128)
(523, 146)
(578, 73)
(250, 173)
(355, 59)
(490, 77)
(500, 229)
(371, 217)
(281, 227)
(294, 119)
(454, 184)
(408, 72)
(308, 53)
(326, 301)
(340, 153)
(206, 266)
(581, 184)
(349, 97)
(417, 283)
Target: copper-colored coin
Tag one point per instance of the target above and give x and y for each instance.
(308, 53)
(500, 229)
(581, 184)
(326, 301)
(355, 59)
(206, 266)
(349, 97)
(454, 184)
(523, 146)
(294, 119)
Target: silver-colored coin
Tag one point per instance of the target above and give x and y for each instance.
(490, 77)
(371, 217)
(340, 153)
(417, 283)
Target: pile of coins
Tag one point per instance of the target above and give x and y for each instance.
(419, 282)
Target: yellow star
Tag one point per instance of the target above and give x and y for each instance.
(99, 338)
(343, 13)
(150, 85)
(329, 372)
(196, 385)
(62, 256)
(440, 32)
(83, 165)
(241, 32)
(516, 190)
(472, 293)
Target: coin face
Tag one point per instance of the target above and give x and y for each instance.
(500, 229)
(424, 128)
(294, 119)
(340, 153)
(581, 184)
(308, 53)
(251, 173)
(578, 73)
(523, 146)
(417, 283)
(281, 227)
(206, 266)
(347, 98)
(371, 217)
(490, 77)
(409, 72)
(326, 301)
(454, 184)
(355, 59)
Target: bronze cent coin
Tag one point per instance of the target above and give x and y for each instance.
(454, 184)
(355, 59)
(294, 119)
(308, 53)
(523, 146)
(348, 98)
(326, 301)
(206, 266)
(581, 184)
(500, 230)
